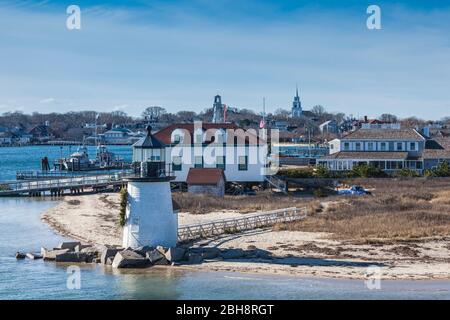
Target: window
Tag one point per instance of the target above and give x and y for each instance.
(412, 146)
(176, 163)
(358, 146)
(243, 163)
(383, 146)
(346, 146)
(198, 138)
(220, 162)
(331, 146)
(370, 146)
(198, 163)
(176, 138)
(399, 146)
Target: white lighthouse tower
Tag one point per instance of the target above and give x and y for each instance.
(150, 218)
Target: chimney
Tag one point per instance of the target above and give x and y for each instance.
(366, 119)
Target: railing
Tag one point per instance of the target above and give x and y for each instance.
(19, 187)
(277, 183)
(235, 225)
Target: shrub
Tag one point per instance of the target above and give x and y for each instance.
(322, 172)
(367, 171)
(443, 170)
(123, 206)
(297, 173)
(407, 173)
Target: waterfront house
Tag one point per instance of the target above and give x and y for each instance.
(206, 180)
(242, 155)
(6, 138)
(387, 149)
(436, 151)
(41, 133)
(119, 136)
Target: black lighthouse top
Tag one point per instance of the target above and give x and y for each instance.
(149, 141)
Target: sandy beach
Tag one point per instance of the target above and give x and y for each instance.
(94, 219)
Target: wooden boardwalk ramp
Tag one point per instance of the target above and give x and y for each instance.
(236, 225)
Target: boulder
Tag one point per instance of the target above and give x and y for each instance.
(194, 258)
(108, 253)
(96, 260)
(175, 254)
(154, 256)
(73, 257)
(69, 245)
(143, 250)
(91, 250)
(33, 256)
(80, 247)
(50, 255)
(129, 259)
(162, 249)
(210, 253)
(232, 254)
(109, 261)
(20, 255)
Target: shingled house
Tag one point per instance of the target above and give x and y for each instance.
(387, 149)
(206, 180)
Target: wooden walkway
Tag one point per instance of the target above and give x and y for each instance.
(236, 225)
(60, 186)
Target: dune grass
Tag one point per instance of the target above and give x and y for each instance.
(397, 210)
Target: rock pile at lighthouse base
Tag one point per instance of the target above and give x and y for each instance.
(142, 257)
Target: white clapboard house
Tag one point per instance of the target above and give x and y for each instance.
(242, 155)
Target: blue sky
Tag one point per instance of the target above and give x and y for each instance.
(180, 53)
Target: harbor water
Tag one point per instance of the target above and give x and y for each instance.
(22, 230)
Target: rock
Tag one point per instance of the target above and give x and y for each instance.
(108, 253)
(162, 249)
(69, 245)
(154, 256)
(194, 258)
(33, 256)
(129, 259)
(91, 250)
(109, 261)
(80, 247)
(233, 254)
(175, 254)
(210, 253)
(20, 255)
(50, 255)
(143, 250)
(96, 260)
(74, 257)
(251, 247)
(162, 262)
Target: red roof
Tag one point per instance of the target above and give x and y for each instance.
(165, 135)
(205, 176)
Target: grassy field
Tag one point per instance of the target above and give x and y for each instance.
(263, 200)
(398, 210)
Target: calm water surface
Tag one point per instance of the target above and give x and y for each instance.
(21, 229)
(29, 158)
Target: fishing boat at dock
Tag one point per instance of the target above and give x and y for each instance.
(79, 161)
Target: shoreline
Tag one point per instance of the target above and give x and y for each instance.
(92, 219)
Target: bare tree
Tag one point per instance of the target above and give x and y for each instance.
(153, 113)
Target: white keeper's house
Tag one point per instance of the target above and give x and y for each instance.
(241, 155)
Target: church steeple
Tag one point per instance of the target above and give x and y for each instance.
(296, 105)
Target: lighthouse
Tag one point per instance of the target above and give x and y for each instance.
(150, 218)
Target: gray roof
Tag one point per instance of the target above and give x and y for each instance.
(367, 155)
(149, 141)
(438, 148)
(384, 134)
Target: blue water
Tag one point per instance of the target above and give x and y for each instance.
(29, 158)
(21, 229)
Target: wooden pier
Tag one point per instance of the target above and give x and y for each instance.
(236, 225)
(61, 186)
